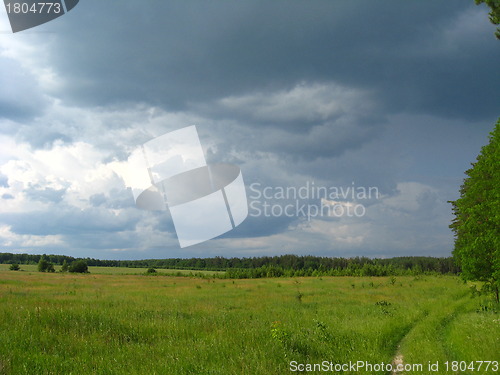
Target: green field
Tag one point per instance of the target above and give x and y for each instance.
(121, 270)
(135, 324)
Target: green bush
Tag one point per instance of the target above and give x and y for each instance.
(14, 267)
(45, 266)
(151, 270)
(79, 266)
(65, 266)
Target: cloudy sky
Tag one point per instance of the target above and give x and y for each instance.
(397, 96)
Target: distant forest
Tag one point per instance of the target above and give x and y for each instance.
(276, 266)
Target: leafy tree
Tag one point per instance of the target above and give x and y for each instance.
(44, 265)
(79, 266)
(477, 217)
(494, 13)
(65, 266)
(14, 267)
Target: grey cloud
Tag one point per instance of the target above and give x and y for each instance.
(298, 108)
(163, 221)
(328, 140)
(20, 96)
(178, 53)
(240, 141)
(4, 181)
(70, 221)
(260, 226)
(103, 242)
(377, 93)
(114, 199)
(45, 194)
(97, 200)
(42, 138)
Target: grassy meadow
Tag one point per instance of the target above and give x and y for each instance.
(111, 323)
(121, 270)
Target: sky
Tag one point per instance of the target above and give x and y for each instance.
(388, 97)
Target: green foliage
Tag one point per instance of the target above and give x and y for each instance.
(477, 217)
(42, 265)
(45, 266)
(276, 266)
(384, 307)
(14, 267)
(79, 266)
(151, 270)
(494, 14)
(65, 266)
(281, 335)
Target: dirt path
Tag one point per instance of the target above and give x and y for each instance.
(397, 360)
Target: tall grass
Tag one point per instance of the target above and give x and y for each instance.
(137, 324)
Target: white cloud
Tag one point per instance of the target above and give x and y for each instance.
(14, 240)
(408, 197)
(76, 167)
(341, 234)
(30, 51)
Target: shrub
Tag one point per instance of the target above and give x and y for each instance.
(151, 270)
(14, 267)
(45, 266)
(79, 266)
(65, 266)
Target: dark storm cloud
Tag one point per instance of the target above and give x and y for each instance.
(397, 95)
(416, 56)
(260, 226)
(329, 140)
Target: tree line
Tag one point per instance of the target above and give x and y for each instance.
(283, 265)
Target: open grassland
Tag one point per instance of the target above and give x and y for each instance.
(120, 270)
(135, 324)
